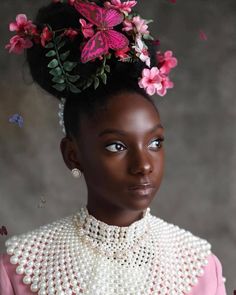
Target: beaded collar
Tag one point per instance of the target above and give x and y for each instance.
(79, 254)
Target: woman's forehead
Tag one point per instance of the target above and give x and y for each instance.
(130, 113)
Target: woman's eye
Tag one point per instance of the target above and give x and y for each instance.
(117, 147)
(159, 142)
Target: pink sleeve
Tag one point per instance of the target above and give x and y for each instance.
(220, 285)
(5, 284)
(211, 283)
(10, 282)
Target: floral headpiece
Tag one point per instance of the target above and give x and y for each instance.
(100, 41)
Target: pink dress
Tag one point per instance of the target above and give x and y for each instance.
(211, 283)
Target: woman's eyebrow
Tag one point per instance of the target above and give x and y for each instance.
(122, 132)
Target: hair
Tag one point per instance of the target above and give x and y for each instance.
(122, 78)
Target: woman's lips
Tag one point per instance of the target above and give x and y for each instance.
(141, 190)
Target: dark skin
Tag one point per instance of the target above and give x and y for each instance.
(113, 162)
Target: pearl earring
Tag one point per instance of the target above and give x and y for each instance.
(76, 172)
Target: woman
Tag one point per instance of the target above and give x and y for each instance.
(114, 137)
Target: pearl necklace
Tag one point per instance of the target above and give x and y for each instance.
(79, 254)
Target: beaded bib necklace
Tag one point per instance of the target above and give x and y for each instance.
(79, 254)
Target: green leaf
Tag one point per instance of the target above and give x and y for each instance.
(88, 83)
(64, 55)
(60, 45)
(96, 82)
(148, 37)
(73, 78)
(59, 80)
(104, 78)
(107, 68)
(148, 21)
(49, 45)
(59, 87)
(51, 53)
(58, 39)
(53, 63)
(74, 89)
(69, 65)
(56, 72)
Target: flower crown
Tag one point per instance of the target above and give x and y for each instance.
(100, 42)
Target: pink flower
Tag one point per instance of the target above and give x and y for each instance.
(137, 24)
(46, 36)
(128, 25)
(18, 44)
(71, 33)
(166, 61)
(87, 28)
(151, 80)
(122, 54)
(124, 7)
(22, 25)
(166, 83)
(71, 2)
(142, 51)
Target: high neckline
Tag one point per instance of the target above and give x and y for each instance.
(102, 232)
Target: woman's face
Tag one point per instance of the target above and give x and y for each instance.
(121, 148)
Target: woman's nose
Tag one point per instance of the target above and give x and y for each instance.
(140, 162)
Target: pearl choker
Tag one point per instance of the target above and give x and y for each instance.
(111, 240)
(79, 254)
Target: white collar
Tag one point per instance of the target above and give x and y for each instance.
(148, 256)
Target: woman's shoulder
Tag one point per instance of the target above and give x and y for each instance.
(192, 255)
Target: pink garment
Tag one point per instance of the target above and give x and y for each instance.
(211, 283)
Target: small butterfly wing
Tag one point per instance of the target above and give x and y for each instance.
(116, 40)
(95, 47)
(112, 17)
(91, 12)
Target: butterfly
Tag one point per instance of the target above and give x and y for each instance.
(105, 38)
(3, 230)
(16, 119)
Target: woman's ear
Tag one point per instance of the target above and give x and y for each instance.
(70, 153)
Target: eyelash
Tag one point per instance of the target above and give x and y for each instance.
(160, 139)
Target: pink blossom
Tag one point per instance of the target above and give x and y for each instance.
(166, 61)
(71, 2)
(128, 25)
(137, 24)
(22, 24)
(142, 51)
(124, 7)
(18, 44)
(122, 54)
(166, 83)
(71, 33)
(151, 80)
(87, 28)
(46, 36)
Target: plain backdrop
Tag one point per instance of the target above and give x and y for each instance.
(198, 192)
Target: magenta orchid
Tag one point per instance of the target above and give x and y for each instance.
(124, 7)
(71, 34)
(87, 28)
(166, 61)
(22, 24)
(18, 44)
